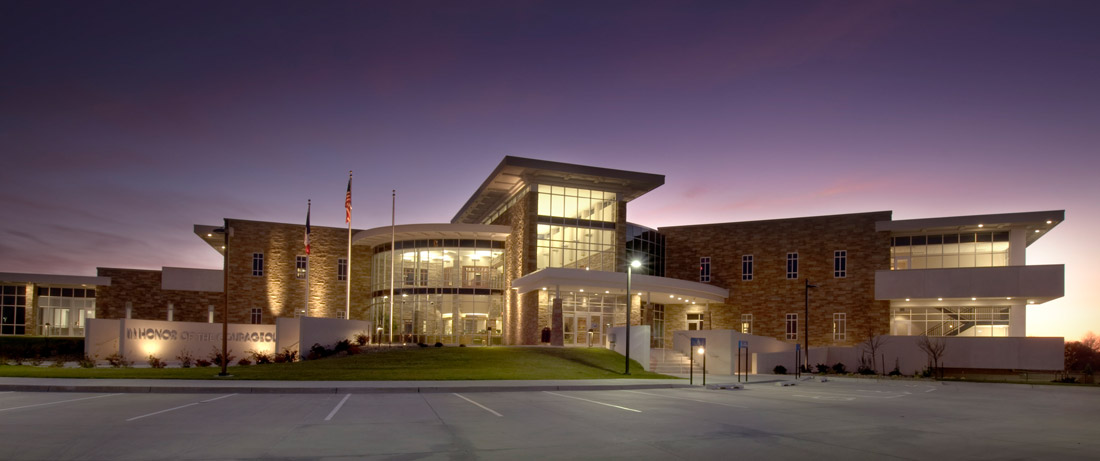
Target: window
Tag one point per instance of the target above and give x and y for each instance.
(340, 314)
(342, 269)
(792, 265)
(695, 321)
(704, 269)
(658, 338)
(410, 276)
(301, 265)
(746, 268)
(840, 264)
(14, 307)
(792, 326)
(257, 316)
(840, 326)
(257, 264)
(935, 251)
(746, 324)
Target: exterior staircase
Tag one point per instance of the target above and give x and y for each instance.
(668, 361)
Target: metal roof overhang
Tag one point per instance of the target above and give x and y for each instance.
(1037, 223)
(515, 173)
(380, 235)
(661, 290)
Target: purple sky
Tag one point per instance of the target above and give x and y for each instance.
(124, 123)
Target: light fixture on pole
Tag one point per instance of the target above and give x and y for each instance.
(703, 352)
(629, 273)
(807, 321)
(226, 231)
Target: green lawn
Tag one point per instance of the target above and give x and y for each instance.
(414, 364)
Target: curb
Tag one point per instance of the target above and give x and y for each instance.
(325, 390)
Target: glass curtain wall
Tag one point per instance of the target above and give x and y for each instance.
(13, 306)
(446, 290)
(586, 317)
(948, 251)
(62, 311)
(576, 228)
(647, 246)
(951, 321)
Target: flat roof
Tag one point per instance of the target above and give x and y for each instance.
(1032, 221)
(514, 173)
(53, 279)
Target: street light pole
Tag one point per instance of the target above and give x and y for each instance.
(629, 273)
(225, 306)
(807, 321)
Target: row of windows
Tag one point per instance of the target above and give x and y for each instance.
(301, 264)
(840, 266)
(840, 326)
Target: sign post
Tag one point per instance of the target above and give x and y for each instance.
(742, 344)
(698, 344)
(797, 361)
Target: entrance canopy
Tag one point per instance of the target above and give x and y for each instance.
(661, 290)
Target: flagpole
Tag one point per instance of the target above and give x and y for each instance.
(309, 205)
(347, 277)
(393, 254)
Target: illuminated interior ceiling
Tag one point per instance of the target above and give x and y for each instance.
(212, 235)
(515, 173)
(381, 235)
(1035, 223)
(660, 290)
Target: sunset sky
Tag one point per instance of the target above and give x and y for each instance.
(122, 124)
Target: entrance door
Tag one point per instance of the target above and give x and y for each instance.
(582, 329)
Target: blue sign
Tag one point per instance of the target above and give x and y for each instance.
(742, 344)
(698, 342)
(797, 347)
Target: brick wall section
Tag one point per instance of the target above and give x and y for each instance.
(279, 292)
(770, 295)
(142, 289)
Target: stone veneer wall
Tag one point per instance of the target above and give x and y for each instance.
(278, 292)
(142, 288)
(521, 314)
(770, 295)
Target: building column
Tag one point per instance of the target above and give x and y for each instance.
(1017, 247)
(171, 308)
(1017, 323)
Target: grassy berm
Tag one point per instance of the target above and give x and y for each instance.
(402, 364)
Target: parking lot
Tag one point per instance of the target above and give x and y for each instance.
(812, 420)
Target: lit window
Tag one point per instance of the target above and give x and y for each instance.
(840, 326)
(840, 264)
(792, 265)
(301, 265)
(704, 269)
(792, 326)
(746, 268)
(257, 264)
(746, 324)
(695, 321)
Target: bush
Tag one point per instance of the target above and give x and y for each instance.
(354, 349)
(57, 363)
(118, 361)
(244, 362)
(185, 359)
(438, 344)
(261, 358)
(822, 368)
(897, 370)
(36, 361)
(1066, 380)
(865, 370)
(86, 362)
(779, 370)
(156, 362)
(361, 338)
(341, 346)
(286, 356)
(1088, 369)
(216, 357)
(26, 347)
(421, 344)
(840, 369)
(202, 363)
(318, 351)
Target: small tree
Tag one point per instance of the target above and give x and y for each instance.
(933, 348)
(872, 344)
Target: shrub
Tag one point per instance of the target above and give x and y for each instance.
(86, 362)
(216, 357)
(286, 356)
(354, 349)
(244, 362)
(57, 363)
(438, 344)
(185, 359)
(341, 346)
(361, 338)
(156, 362)
(203, 363)
(36, 361)
(421, 344)
(118, 361)
(779, 370)
(840, 370)
(17, 360)
(865, 370)
(822, 368)
(1088, 369)
(318, 351)
(261, 358)
(1066, 380)
(897, 370)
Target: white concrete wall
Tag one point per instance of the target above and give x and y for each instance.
(1047, 281)
(186, 279)
(101, 337)
(290, 335)
(167, 340)
(722, 347)
(639, 343)
(327, 332)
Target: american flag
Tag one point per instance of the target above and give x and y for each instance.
(347, 201)
(308, 206)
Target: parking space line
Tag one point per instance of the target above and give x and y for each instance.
(54, 403)
(483, 407)
(334, 410)
(593, 401)
(179, 407)
(685, 398)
